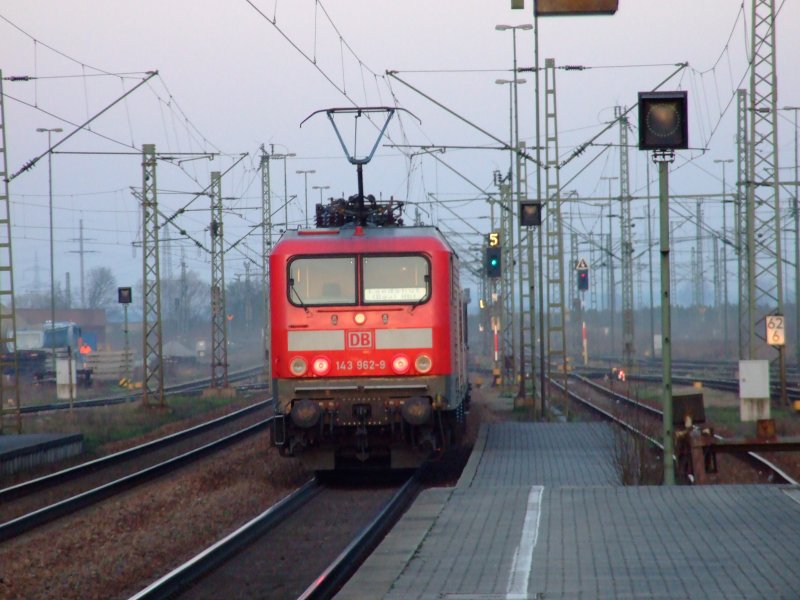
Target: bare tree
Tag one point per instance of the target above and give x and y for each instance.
(100, 287)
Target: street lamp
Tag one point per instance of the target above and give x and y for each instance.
(320, 188)
(49, 133)
(305, 175)
(518, 185)
(724, 162)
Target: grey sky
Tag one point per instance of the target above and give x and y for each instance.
(230, 80)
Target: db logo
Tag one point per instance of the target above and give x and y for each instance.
(359, 339)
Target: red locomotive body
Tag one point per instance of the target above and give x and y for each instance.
(368, 346)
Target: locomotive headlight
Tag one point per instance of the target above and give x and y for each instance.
(416, 411)
(423, 363)
(321, 365)
(360, 318)
(298, 366)
(400, 364)
(305, 413)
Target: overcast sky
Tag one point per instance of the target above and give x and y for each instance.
(231, 79)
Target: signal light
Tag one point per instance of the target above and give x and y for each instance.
(663, 121)
(423, 363)
(583, 279)
(321, 365)
(530, 214)
(400, 364)
(298, 366)
(494, 266)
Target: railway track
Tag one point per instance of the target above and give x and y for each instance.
(777, 475)
(32, 504)
(179, 388)
(247, 556)
(719, 375)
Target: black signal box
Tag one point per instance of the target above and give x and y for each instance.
(530, 214)
(663, 121)
(124, 295)
(583, 280)
(494, 264)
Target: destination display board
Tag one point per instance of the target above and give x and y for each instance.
(546, 8)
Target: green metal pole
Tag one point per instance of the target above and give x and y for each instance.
(127, 348)
(666, 326)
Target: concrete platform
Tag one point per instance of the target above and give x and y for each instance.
(539, 513)
(21, 452)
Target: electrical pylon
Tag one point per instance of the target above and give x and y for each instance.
(554, 244)
(527, 312)
(740, 218)
(763, 190)
(153, 372)
(9, 384)
(508, 332)
(266, 248)
(698, 245)
(626, 243)
(219, 329)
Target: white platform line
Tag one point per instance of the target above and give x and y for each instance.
(518, 577)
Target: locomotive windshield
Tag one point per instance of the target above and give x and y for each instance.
(322, 280)
(393, 279)
(331, 280)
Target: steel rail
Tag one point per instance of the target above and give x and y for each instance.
(780, 473)
(39, 517)
(347, 563)
(124, 398)
(28, 487)
(185, 575)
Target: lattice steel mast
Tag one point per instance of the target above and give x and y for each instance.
(763, 197)
(556, 335)
(527, 303)
(266, 247)
(508, 332)
(153, 379)
(219, 330)
(626, 244)
(9, 384)
(740, 218)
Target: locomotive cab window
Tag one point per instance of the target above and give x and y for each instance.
(395, 279)
(322, 280)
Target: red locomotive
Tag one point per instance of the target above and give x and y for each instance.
(368, 348)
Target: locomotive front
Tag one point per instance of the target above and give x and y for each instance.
(367, 349)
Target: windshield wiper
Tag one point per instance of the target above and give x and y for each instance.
(297, 295)
(425, 296)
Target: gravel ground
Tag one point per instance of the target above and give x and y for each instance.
(115, 549)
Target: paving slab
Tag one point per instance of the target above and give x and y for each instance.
(539, 513)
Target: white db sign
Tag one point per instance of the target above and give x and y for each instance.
(776, 333)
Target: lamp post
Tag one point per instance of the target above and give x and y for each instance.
(518, 193)
(796, 237)
(723, 162)
(305, 175)
(320, 188)
(49, 133)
